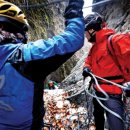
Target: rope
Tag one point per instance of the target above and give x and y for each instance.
(98, 3)
(118, 85)
(98, 86)
(35, 6)
(98, 99)
(86, 89)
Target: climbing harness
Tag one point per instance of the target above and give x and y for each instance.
(95, 77)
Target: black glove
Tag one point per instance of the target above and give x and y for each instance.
(74, 9)
(127, 90)
(86, 72)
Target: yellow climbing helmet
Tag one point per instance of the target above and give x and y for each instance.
(11, 13)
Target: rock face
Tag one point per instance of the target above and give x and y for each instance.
(44, 16)
(116, 13)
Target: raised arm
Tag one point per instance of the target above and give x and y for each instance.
(71, 40)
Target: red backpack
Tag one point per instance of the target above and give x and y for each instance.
(119, 48)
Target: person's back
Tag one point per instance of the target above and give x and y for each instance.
(23, 67)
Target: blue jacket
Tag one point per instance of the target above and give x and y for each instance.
(23, 67)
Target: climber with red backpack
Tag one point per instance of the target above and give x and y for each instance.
(101, 62)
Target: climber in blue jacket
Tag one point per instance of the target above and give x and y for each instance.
(24, 65)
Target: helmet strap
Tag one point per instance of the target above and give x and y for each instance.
(92, 35)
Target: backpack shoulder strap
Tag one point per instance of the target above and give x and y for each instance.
(111, 51)
(110, 46)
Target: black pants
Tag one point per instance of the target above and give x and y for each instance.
(115, 104)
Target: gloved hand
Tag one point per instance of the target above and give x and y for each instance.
(86, 72)
(74, 9)
(127, 90)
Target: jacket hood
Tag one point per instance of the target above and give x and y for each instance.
(103, 34)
